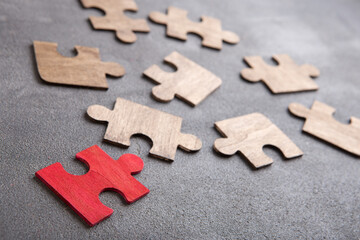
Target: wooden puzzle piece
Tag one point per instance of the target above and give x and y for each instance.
(81, 193)
(320, 123)
(116, 20)
(285, 78)
(178, 26)
(190, 82)
(249, 134)
(129, 118)
(85, 69)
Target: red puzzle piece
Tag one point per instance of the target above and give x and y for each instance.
(81, 193)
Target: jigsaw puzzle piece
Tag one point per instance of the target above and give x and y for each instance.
(190, 82)
(116, 20)
(81, 193)
(285, 78)
(321, 124)
(249, 134)
(129, 118)
(85, 69)
(209, 29)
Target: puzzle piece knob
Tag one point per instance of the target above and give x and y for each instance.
(162, 93)
(224, 146)
(113, 69)
(99, 113)
(230, 37)
(133, 163)
(126, 36)
(252, 74)
(158, 17)
(189, 142)
(310, 70)
(299, 110)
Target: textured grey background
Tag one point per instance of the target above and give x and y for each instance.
(201, 195)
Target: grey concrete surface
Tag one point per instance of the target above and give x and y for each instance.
(201, 195)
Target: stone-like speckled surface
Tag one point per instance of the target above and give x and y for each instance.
(202, 195)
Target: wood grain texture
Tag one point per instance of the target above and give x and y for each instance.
(285, 78)
(129, 118)
(116, 20)
(81, 193)
(190, 82)
(85, 69)
(320, 123)
(178, 26)
(249, 134)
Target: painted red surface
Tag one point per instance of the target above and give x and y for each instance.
(82, 192)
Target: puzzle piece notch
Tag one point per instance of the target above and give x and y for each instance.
(321, 124)
(85, 69)
(285, 78)
(116, 20)
(129, 118)
(190, 82)
(249, 134)
(81, 193)
(178, 26)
